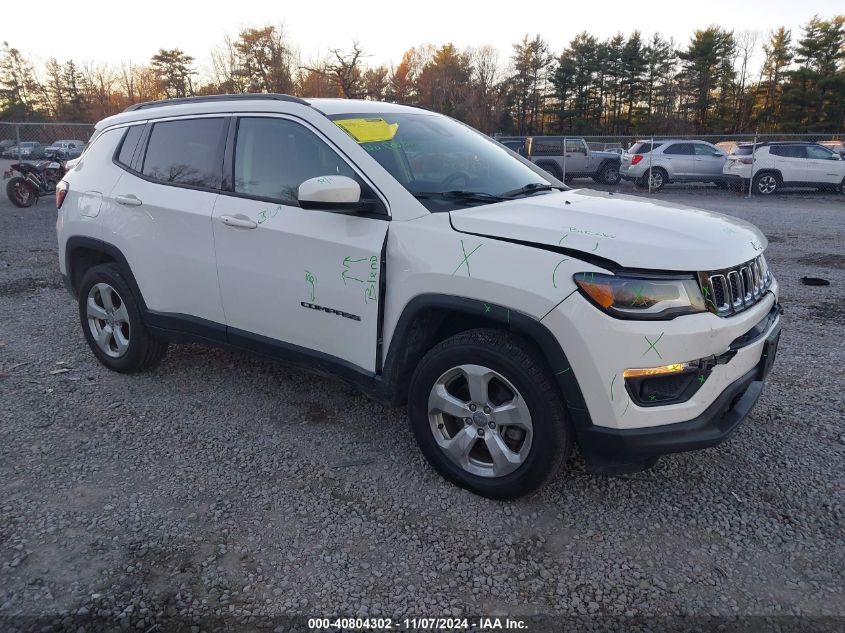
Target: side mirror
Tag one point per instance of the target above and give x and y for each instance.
(340, 194)
(835, 156)
(719, 153)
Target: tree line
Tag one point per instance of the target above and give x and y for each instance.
(626, 84)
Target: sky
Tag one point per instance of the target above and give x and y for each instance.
(122, 31)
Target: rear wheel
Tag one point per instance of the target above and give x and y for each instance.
(766, 184)
(111, 322)
(610, 175)
(656, 180)
(20, 192)
(487, 415)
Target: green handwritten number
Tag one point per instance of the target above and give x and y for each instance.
(311, 280)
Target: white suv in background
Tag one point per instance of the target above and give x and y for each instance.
(426, 264)
(776, 165)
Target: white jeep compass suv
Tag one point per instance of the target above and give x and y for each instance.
(421, 261)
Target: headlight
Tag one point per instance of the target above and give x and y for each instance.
(642, 297)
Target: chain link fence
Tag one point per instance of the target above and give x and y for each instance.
(36, 141)
(724, 141)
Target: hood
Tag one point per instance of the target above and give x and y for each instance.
(627, 230)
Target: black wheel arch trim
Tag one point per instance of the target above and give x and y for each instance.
(506, 316)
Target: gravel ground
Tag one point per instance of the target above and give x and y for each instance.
(221, 486)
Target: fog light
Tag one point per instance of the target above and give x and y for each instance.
(662, 370)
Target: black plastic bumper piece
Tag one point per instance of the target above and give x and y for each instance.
(615, 452)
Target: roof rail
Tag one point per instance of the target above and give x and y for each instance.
(207, 98)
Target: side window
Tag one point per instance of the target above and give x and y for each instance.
(683, 149)
(818, 152)
(543, 147)
(575, 146)
(704, 150)
(128, 144)
(186, 152)
(274, 156)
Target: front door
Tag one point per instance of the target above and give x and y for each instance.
(823, 165)
(708, 160)
(575, 153)
(303, 278)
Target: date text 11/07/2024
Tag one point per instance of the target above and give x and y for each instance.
(480, 625)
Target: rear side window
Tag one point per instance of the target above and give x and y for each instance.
(186, 152)
(789, 151)
(642, 148)
(545, 147)
(274, 156)
(128, 145)
(679, 149)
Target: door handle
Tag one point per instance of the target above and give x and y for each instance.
(236, 222)
(128, 200)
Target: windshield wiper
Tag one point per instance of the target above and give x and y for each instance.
(458, 194)
(531, 187)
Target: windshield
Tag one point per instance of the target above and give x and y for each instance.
(445, 164)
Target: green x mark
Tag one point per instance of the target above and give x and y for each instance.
(652, 398)
(465, 260)
(652, 345)
(639, 299)
(706, 291)
(701, 379)
(486, 308)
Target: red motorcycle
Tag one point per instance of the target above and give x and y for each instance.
(33, 181)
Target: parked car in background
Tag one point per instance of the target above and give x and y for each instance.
(836, 146)
(5, 144)
(29, 150)
(567, 157)
(776, 165)
(673, 160)
(64, 149)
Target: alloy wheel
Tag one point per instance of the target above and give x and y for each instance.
(480, 421)
(108, 320)
(767, 184)
(656, 180)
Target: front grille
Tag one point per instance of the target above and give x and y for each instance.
(733, 290)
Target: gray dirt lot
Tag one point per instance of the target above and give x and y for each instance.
(220, 484)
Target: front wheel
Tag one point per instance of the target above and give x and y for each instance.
(487, 414)
(20, 192)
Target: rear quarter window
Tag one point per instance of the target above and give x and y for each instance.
(128, 144)
(642, 148)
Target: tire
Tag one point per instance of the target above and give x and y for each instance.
(609, 174)
(109, 313)
(21, 193)
(530, 452)
(553, 169)
(766, 184)
(659, 178)
(841, 187)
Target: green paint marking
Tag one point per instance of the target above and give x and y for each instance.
(638, 296)
(554, 272)
(560, 240)
(611, 386)
(563, 371)
(627, 404)
(310, 279)
(596, 247)
(652, 345)
(701, 379)
(465, 260)
(652, 398)
(509, 316)
(486, 308)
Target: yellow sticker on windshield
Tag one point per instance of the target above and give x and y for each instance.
(368, 130)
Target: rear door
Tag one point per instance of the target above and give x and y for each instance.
(159, 215)
(680, 160)
(791, 161)
(293, 278)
